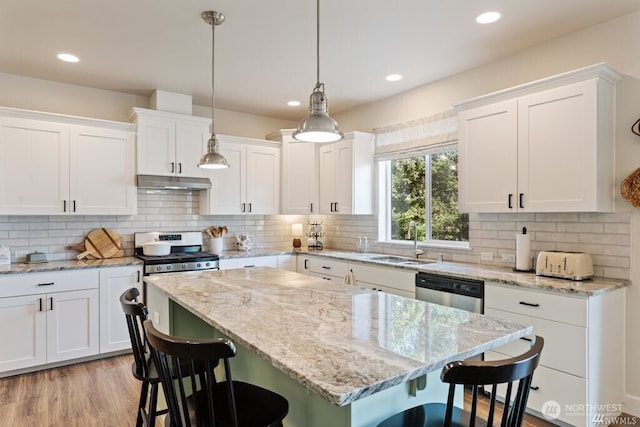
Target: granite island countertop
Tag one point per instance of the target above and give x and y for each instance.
(341, 342)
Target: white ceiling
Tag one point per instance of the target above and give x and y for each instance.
(265, 51)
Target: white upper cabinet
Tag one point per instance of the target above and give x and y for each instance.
(299, 190)
(346, 175)
(251, 183)
(542, 147)
(59, 165)
(170, 144)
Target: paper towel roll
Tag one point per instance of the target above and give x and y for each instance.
(523, 252)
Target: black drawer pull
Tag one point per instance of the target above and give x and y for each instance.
(534, 387)
(529, 304)
(47, 284)
(326, 267)
(526, 339)
(249, 266)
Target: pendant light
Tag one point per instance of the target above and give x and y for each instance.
(318, 126)
(212, 159)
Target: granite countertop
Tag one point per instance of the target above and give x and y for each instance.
(68, 265)
(342, 342)
(590, 287)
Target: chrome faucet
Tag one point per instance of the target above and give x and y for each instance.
(413, 225)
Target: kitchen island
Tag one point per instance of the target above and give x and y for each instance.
(341, 355)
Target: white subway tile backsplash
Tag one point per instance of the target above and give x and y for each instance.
(605, 236)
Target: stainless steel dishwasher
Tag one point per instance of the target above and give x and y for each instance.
(466, 294)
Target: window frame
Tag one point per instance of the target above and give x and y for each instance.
(383, 166)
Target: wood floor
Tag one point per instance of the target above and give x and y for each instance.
(99, 393)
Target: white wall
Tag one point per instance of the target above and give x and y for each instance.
(43, 95)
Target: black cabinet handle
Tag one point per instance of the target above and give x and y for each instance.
(326, 267)
(64, 206)
(509, 205)
(311, 208)
(173, 167)
(40, 301)
(47, 284)
(138, 280)
(526, 339)
(51, 300)
(74, 205)
(180, 167)
(244, 207)
(535, 387)
(529, 304)
(250, 207)
(249, 266)
(336, 207)
(521, 200)
(306, 266)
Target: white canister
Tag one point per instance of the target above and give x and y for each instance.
(216, 245)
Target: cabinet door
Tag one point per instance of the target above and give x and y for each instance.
(344, 178)
(72, 325)
(263, 180)
(228, 188)
(327, 162)
(102, 172)
(34, 167)
(23, 332)
(114, 334)
(156, 147)
(487, 153)
(302, 265)
(299, 179)
(191, 144)
(558, 149)
(287, 262)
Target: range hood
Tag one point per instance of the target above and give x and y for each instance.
(159, 182)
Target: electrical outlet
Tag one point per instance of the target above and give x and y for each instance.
(508, 258)
(21, 253)
(486, 256)
(156, 318)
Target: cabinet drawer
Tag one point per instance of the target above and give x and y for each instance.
(328, 267)
(386, 277)
(40, 283)
(334, 279)
(552, 306)
(258, 261)
(565, 346)
(551, 385)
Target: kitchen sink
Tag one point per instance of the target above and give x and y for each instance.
(399, 260)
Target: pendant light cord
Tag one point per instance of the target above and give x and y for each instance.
(213, 80)
(317, 43)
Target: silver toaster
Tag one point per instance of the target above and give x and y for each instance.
(564, 265)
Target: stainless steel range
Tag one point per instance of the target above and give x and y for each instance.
(186, 252)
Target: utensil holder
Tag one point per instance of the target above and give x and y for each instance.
(216, 245)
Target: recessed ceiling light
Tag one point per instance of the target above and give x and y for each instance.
(488, 17)
(67, 57)
(293, 103)
(393, 77)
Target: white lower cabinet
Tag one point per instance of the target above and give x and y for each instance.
(247, 262)
(390, 280)
(579, 367)
(48, 318)
(114, 281)
(287, 262)
(328, 269)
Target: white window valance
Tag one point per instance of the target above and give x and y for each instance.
(428, 135)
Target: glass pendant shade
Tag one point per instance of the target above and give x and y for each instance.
(212, 159)
(318, 126)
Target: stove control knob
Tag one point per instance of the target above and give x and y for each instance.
(159, 268)
(198, 265)
(168, 267)
(207, 264)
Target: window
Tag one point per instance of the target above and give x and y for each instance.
(423, 189)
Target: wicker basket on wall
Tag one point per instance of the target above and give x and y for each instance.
(630, 188)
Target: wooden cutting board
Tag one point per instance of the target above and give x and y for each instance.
(80, 247)
(101, 243)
